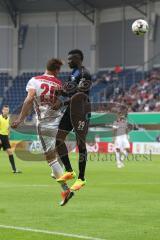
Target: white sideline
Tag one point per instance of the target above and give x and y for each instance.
(45, 185)
(24, 185)
(49, 232)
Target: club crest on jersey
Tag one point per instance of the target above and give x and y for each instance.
(81, 125)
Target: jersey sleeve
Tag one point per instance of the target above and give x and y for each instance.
(87, 76)
(31, 84)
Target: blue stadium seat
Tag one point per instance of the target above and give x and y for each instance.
(16, 93)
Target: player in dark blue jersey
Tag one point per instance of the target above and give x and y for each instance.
(75, 117)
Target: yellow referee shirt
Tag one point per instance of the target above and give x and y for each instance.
(4, 125)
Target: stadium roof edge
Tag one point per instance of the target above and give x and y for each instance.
(29, 6)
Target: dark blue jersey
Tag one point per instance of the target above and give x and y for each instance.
(79, 81)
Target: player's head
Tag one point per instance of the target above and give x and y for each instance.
(54, 66)
(121, 117)
(75, 58)
(5, 110)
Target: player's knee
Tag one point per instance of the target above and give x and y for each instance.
(50, 156)
(60, 146)
(9, 151)
(60, 137)
(117, 150)
(128, 150)
(82, 147)
(59, 142)
(79, 97)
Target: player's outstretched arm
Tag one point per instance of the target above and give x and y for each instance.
(27, 105)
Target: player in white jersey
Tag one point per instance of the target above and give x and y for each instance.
(42, 94)
(121, 143)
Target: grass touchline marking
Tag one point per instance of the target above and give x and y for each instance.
(49, 232)
(46, 186)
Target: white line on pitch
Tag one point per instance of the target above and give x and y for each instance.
(45, 185)
(24, 185)
(49, 232)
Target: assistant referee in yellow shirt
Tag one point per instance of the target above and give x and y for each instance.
(4, 136)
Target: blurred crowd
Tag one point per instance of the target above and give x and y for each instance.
(143, 96)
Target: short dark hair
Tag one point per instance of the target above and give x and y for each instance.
(77, 51)
(5, 106)
(54, 64)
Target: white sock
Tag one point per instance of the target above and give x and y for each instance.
(125, 153)
(57, 170)
(123, 157)
(60, 162)
(118, 158)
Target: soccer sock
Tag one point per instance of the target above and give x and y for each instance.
(64, 186)
(118, 157)
(58, 172)
(125, 153)
(11, 159)
(122, 157)
(60, 162)
(82, 163)
(63, 154)
(56, 168)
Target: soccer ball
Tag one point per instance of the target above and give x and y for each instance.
(140, 27)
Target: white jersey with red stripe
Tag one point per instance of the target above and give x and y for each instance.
(45, 86)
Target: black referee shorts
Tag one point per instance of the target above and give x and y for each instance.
(4, 142)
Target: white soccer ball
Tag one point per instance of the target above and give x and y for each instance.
(140, 27)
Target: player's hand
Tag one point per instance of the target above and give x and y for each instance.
(15, 124)
(57, 104)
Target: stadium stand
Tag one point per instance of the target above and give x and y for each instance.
(15, 94)
(143, 95)
(129, 87)
(5, 81)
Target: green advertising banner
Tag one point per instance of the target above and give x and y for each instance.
(98, 129)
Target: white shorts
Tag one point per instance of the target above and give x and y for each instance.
(47, 131)
(121, 142)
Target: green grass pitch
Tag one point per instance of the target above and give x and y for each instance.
(115, 204)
